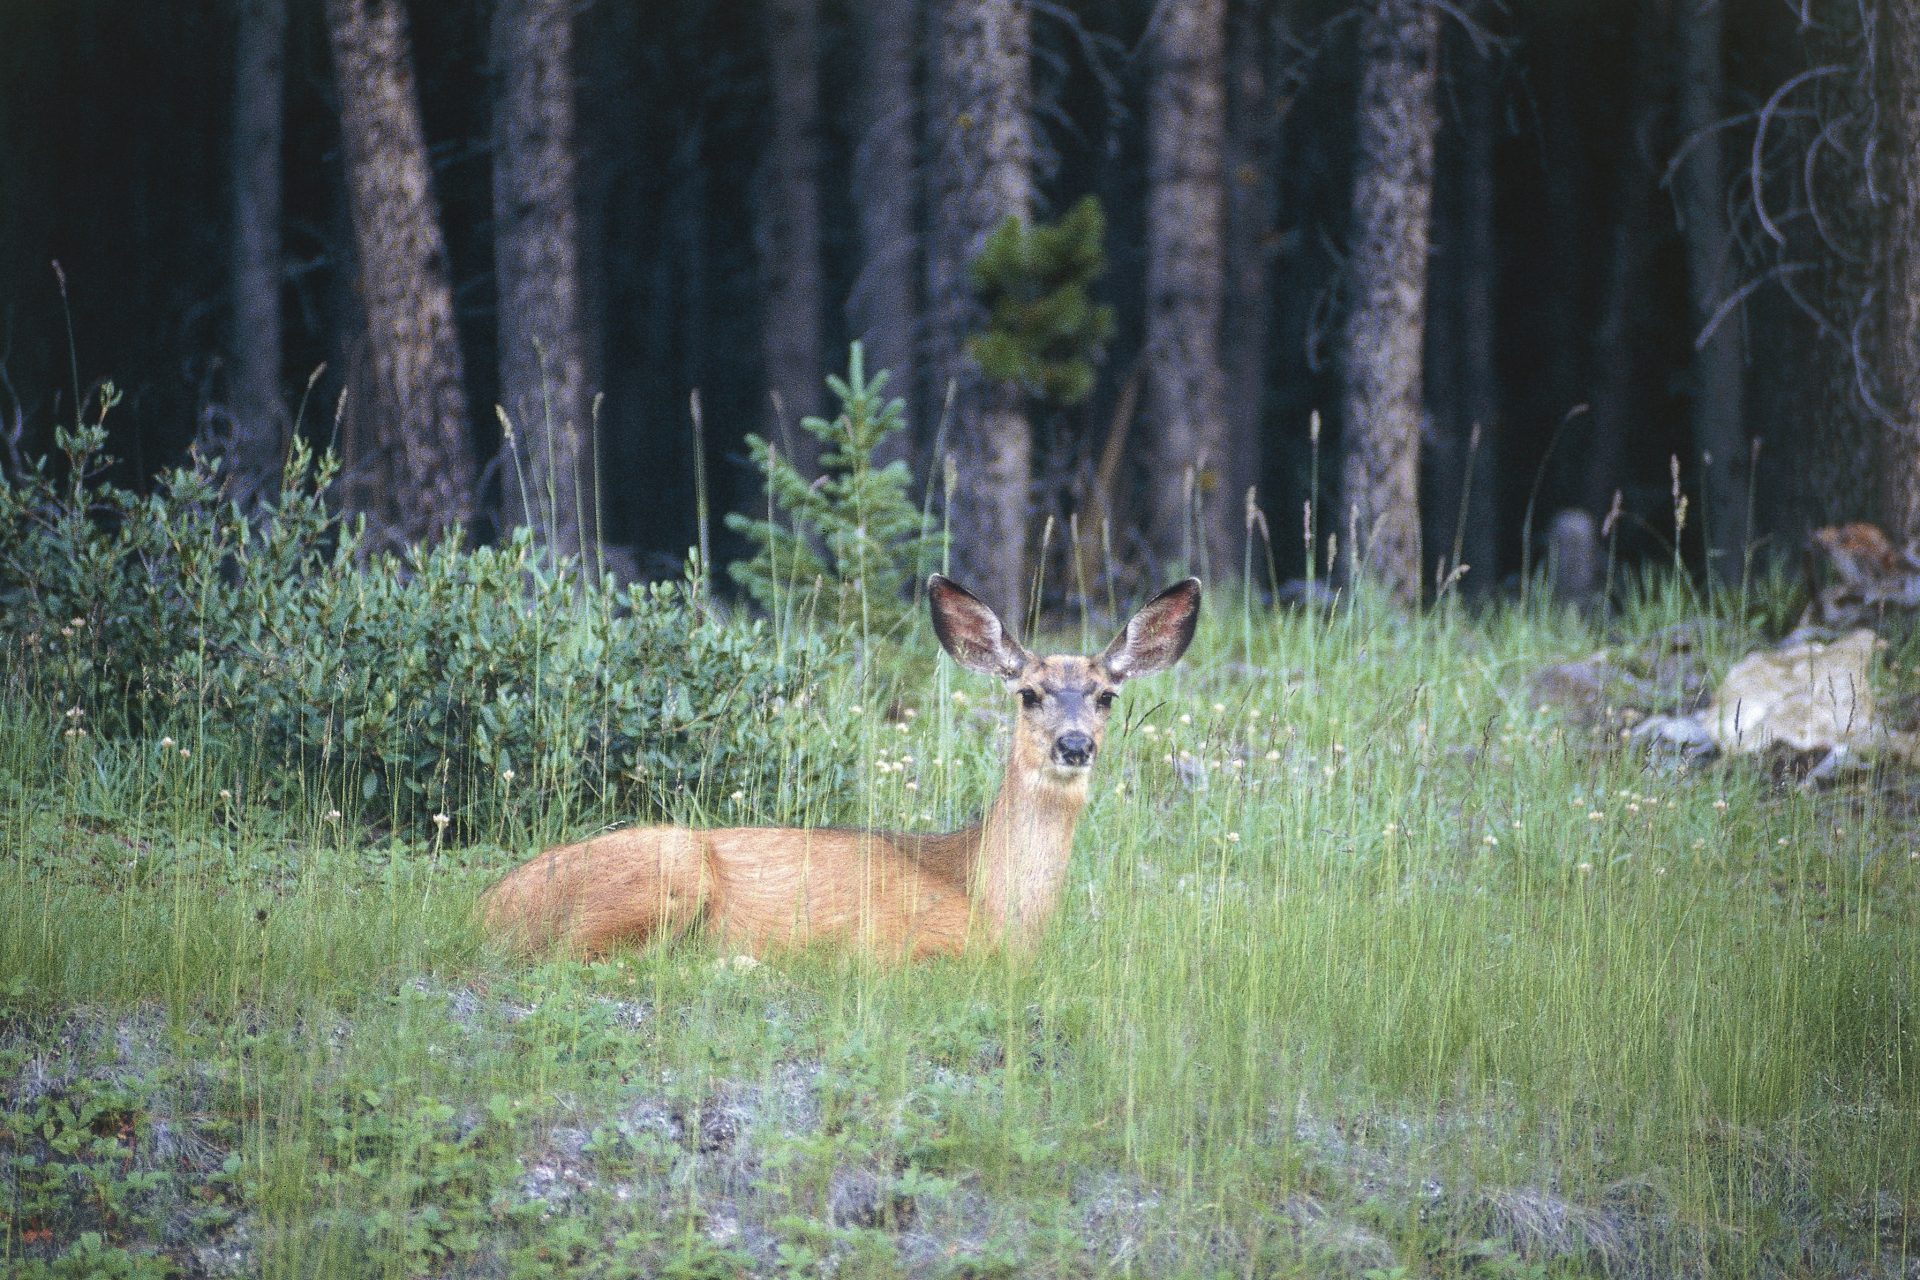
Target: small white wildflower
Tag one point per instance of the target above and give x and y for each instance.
(1594, 815)
(1233, 837)
(1490, 839)
(1586, 868)
(910, 712)
(226, 795)
(1721, 805)
(901, 727)
(166, 744)
(1339, 750)
(1782, 842)
(913, 786)
(440, 821)
(1273, 755)
(333, 815)
(1147, 730)
(959, 695)
(738, 797)
(1633, 806)
(1391, 829)
(1659, 871)
(1219, 707)
(506, 775)
(75, 713)
(1516, 824)
(857, 710)
(184, 753)
(1185, 718)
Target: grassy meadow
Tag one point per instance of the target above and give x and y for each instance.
(1373, 962)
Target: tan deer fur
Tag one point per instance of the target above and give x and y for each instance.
(759, 889)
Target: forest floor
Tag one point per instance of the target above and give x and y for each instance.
(1384, 954)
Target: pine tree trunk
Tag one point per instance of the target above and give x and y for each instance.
(1186, 389)
(1464, 396)
(1719, 431)
(1253, 190)
(1900, 357)
(790, 229)
(254, 449)
(536, 260)
(1623, 292)
(982, 119)
(884, 307)
(424, 459)
(1385, 326)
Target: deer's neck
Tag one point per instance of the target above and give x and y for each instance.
(1025, 842)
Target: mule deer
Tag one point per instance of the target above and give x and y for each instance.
(898, 894)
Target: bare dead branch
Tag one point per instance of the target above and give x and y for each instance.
(1756, 168)
(1740, 295)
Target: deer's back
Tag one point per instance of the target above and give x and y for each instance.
(776, 886)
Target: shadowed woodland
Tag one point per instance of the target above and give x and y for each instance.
(1519, 259)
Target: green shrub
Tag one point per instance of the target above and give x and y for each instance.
(438, 684)
(854, 532)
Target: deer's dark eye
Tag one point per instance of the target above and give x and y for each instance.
(1029, 698)
(1105, 700)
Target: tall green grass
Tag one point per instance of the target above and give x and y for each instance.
(1343, 887)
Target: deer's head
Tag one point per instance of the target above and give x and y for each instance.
(1065, 698)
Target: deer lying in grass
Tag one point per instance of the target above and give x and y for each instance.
(763, 888)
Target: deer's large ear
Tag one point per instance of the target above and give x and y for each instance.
(971, 632)
(1156, 636)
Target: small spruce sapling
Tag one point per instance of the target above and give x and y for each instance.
(1044, 332)
(855, 531)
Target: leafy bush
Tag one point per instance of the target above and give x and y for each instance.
(440, 683)
(855, 532)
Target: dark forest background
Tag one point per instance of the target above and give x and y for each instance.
(1613, 234)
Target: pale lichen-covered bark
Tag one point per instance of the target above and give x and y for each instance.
(420, 480)
(1386, 316)
(536, 261)
(1186, 387)
(982, 124)
(790, 228)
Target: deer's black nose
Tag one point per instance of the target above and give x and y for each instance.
(1075, 750)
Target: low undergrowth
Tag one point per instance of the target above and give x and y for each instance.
(1370, 965)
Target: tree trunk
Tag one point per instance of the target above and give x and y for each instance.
(536, 259)
(1623, 292)
(1465, 402)
(1900, 357)
(254, 447)
(790, 228)
(1719, 432)
(884, 307)
(1186, 387)
(424, 458)
(1253, 193)
(1386, 317)
(982, 117)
